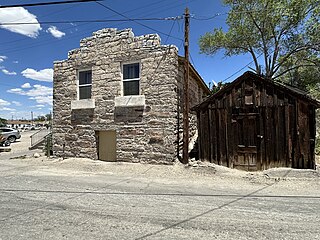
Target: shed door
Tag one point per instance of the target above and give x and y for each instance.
(107, 145)
(245, 129)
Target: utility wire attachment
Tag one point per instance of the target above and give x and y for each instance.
(186, 107)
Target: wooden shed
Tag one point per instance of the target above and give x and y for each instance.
(255, 123)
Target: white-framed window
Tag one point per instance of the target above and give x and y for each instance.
(131, 78)
(85, 84)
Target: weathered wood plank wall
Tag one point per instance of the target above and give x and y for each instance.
(254, 126)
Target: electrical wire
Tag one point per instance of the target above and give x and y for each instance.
(83, 32)
(192, 60)
(168, 35)
(14, 49)
(247, 65)
(46, 3)
(89, 21)
(141, 24)
(221, 14)
(208, 18)
(164, 56)
(64, 29)
(89, 30)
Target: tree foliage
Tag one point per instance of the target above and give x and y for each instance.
(49, 116)
(3, 122)
(285, 34)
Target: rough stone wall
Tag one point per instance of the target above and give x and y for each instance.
(196, 95)
(148, 137)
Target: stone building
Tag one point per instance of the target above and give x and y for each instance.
(118, 98)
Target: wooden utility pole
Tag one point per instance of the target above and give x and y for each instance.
(185, 153)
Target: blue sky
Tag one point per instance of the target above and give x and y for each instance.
(27, 52)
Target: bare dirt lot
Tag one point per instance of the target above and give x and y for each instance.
(52, 198)
(20, 150)
(20, 147)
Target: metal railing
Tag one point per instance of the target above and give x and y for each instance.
(39, 136)
(48, 147)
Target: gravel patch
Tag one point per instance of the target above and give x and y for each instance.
(195, 171)
(20, 148)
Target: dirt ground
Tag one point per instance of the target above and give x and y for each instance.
(79, 198)
(194, 171)
(21, 146)
(52, 198)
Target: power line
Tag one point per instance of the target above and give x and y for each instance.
(89, 21)
(221, 14)
(236, 72)
(208, 18)
(141, 24)
(132, 10)
(247, 65)
(163, 56)
(14, 49)
(150, 13)
(192, 61)
(46, 3)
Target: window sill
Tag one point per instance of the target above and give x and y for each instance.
(82, 104)
(130, 101)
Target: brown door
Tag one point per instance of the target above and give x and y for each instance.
(107, 145)
(245, 128)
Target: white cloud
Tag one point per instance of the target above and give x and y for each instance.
(4, 102)
(41, 94)
(55, 32)
(5, 71)
(17, 103)
(2, 58)
(40, 106)
(43, 99)
(15, 62)
(45, 75)
(17, 91)
(6, 109)
(26, 85)
(39, 90)
(19, 14)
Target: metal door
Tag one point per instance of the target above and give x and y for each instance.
(107, 145)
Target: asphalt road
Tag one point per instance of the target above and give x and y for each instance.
(50, 199)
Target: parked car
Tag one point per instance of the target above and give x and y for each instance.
(10, 134)
(3, 141)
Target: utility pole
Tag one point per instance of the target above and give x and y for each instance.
(185, 153)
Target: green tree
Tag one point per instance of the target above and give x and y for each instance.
(314, 90)
(283, 33)
(40, 119)
(3, 122)
(49, 116)
(306, 76)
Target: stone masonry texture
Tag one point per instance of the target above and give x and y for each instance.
(146, 133)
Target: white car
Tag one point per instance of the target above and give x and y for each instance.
(10, 134)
